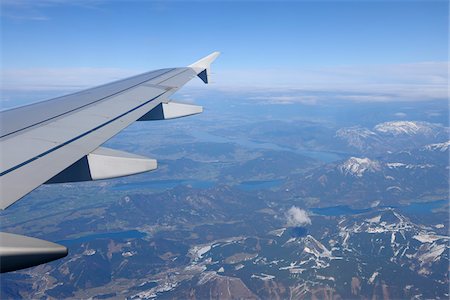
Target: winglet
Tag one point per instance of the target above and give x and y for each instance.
(203, 66)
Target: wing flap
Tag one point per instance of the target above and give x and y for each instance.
(171, 110)
(104, 163)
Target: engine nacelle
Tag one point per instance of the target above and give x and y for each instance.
(20, 252)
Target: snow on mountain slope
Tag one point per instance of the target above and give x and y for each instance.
(357, 137)
(395, 136)
(397, 165)
(438, 147)
(316, 248)
(405, 128)
(410, 243)
(358, 166)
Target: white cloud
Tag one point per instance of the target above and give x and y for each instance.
(420, 81)
(400, 114)
(297, 217)
(286, 99)
(379, 83)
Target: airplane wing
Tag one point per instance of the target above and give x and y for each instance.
(59, 140)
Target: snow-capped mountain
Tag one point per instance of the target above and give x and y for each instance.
(358, 166)
(397, 165)
(358, 137)
(442, 147)
(416, 245)
(394, 136)
(413, 174)
(405, 128)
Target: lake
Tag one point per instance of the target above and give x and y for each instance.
(324, 156)
(414, 207)
(254, 185)
(129, 234)
(163, 184)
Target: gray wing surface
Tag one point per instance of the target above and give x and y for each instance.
(55, 140)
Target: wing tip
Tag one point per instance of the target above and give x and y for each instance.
(205, 62)
(202, 66)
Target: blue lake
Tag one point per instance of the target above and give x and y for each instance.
(415, 208)
(198, 184)
(129, 234)
(163, 184)
(259, 184)
(422, 207)
(324, 156)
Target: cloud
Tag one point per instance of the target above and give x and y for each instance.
(286, 99)
(297, 217)
(378, 83)
(400, 114)
(421, 81)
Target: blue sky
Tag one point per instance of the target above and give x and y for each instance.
(263, 42)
